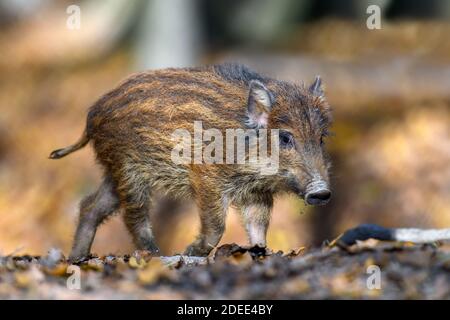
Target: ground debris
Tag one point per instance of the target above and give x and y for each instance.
(407, 271)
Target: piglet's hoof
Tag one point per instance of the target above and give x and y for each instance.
(197, 250)
(258, 251)
(77, 259)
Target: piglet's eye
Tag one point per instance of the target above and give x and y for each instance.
(286, 139)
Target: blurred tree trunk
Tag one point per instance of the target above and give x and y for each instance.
(169, 35)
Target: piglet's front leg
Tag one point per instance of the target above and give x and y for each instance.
(212, 226)
(256, 221)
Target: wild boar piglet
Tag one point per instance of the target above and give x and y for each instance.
(133, 132)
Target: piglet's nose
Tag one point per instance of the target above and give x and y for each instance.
(319, 197)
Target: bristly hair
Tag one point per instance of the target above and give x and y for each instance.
(236, 72)
(241, 74)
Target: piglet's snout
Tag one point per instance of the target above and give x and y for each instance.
(317, 193)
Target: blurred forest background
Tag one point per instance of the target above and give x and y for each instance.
(390, 90)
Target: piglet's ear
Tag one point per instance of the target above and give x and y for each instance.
(316, 87)
(260, 101)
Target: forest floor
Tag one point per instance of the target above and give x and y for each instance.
(367, 270)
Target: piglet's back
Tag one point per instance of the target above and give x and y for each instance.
(167, 99)
(136, 119)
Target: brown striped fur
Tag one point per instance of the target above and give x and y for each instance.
(130, 128)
